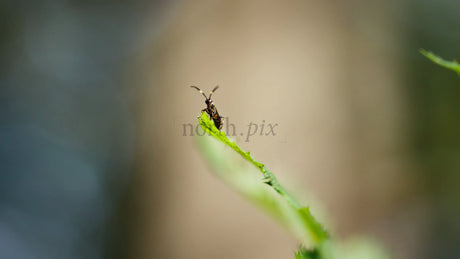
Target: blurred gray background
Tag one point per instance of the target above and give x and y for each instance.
(94, 95)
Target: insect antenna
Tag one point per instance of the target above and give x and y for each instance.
(213, 90)
(200, 91)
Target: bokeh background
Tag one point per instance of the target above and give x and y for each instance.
(94, 162)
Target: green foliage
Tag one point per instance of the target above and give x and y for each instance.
(452, 65)
(305, 224)
(307, 254)
(267, 193)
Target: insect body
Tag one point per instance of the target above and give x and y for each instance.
(211, 109)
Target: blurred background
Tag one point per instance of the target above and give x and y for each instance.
(95, 161)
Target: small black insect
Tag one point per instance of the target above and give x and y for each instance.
(211, 109)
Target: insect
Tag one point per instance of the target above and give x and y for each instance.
(211, 109)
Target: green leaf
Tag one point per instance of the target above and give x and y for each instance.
(452, 65)
(280, 204)
(233, 165)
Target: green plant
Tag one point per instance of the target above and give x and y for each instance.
(272, 197)
(452, 65)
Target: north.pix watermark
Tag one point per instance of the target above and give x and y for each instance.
(252, 129)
